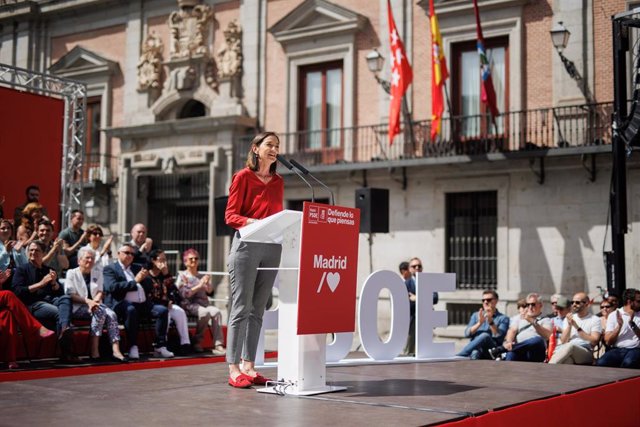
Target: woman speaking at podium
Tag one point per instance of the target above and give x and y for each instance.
(256, 192)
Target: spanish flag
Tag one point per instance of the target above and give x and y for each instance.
(439, 74)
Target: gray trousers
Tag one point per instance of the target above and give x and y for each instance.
(250, 291)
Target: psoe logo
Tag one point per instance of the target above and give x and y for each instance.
(313, 215)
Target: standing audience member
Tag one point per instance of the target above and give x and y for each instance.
(195, 289)
(580, 333)
(55, 256)
(141, 243)
(487, 328)
(415, 267)
(74, 237)
(256, 192)
(38, 288)
(103, 252)
(32, 194)
(14, 315)
(126, 295)
(84, 284)
(623, 334)
(527, 335)
(409, 282)
(163, 291)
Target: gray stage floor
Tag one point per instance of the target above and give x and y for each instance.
(407, 394)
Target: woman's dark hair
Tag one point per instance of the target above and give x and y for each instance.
(153, 255)
(252, 158)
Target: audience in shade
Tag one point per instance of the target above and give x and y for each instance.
(38, 288)
(527, 335)
(103, 251)
(13, 316)
(487, 328)
(141, 243)
(622, 334)
(581, 332)
(84, 284)
(195, 289)
(74, 237)
(125, 294)
(163, 291)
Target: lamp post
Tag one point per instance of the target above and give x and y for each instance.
(375, 61)
(560, 39)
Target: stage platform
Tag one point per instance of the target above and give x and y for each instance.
(459, 392)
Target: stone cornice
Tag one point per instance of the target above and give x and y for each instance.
(183, 126)
(465, 7)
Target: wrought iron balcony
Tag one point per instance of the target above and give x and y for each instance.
(530, 132)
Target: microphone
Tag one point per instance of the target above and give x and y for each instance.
(289, 166)
(306, 172)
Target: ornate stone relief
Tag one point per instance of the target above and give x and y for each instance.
(190, 29)
(150, 63)
(230, 54)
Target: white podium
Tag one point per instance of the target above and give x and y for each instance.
(301, 358)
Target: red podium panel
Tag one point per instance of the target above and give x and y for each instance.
(328, 269)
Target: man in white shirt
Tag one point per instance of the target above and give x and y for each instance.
(527, 335)
(124, 293)
(623, 334)
(581, 331)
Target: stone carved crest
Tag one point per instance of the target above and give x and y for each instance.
(189, 30)
(229, 56)
(150, 63)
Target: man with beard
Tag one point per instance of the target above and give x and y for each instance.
(55, 256)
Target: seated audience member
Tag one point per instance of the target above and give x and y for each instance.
(32, 194)
(581, 331)
(195, 289)
(623, 334)
(163, 291)
(38, 288)
(613, 299)
(409, 282)
(141, 243)
(31, 216)
(125, 294)
(74, 237)
(527, 335)
(487, 328)
(103, 252)
(55, 256)
(521, 305)
(13, 316)
(605, 310)
(84, 284)
(12, 253)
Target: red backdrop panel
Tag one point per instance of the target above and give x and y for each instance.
(31, 148)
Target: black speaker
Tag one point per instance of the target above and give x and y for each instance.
(374, 209)
(219, 207)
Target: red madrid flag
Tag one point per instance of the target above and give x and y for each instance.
(401, 76)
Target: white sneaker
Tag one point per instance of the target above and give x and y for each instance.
(133, 352)
(162, 352)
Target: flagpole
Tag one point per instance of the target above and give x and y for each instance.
(446, 95)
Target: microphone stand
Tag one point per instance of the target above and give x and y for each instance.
(289, 166)
(306, 172)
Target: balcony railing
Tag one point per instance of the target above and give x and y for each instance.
(99, 167)
(516, 131)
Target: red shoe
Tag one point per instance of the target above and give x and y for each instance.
(259, 379)
(242, 381)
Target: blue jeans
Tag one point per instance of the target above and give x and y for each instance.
(478, 347)
(129, 314)
(54, 315)
(531, 350)
(621, 358)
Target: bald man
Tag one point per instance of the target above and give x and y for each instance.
(581, 332)
(141, 243)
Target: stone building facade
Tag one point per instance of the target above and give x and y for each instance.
(176, 87)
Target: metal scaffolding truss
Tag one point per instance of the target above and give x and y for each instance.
(74, 94)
